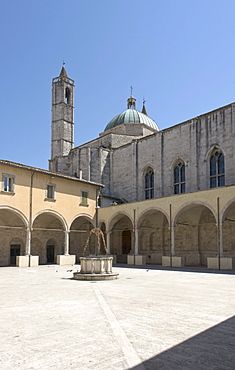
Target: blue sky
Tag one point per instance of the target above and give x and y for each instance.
(178, 54)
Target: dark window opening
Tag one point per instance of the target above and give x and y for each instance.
(149, 184)
(217, 171)
(67, 96)
(179, 178)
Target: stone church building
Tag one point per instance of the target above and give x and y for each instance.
(167, 196)
(180, 178)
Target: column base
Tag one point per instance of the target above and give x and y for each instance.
(33, 261)
(174, 261)
(27, 261)
(166, 261)
(63, 259)
(22, 261)
(178, 261)
(222, 263)
(138, 260)
(213, 263)
(227, 263)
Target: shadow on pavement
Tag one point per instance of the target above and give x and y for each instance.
(211, 349)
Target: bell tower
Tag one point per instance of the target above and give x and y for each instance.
(62, 127)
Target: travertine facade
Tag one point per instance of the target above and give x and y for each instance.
(168, 196)
(120, 156)
(135, 161)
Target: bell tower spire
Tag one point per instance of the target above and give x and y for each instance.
(62, 134)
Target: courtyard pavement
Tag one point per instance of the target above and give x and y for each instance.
(149, 318)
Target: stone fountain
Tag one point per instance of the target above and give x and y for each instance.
(98, 267)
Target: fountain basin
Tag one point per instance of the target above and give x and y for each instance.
(96, 268)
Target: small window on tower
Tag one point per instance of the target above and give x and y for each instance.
(67, 96)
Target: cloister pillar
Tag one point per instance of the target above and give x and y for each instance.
(221, 247)
(172, 233)
(66, 258)
(66, 243)
(28, 242)
(136, 246)
(108, 241)
(172, 240)
(27, 260)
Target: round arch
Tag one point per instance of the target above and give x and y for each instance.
(80, 229)
(51, 213)
(153, 234)
(102, 223)
(228, 228)
(152, 209)
(226, 208)
(49, 228)
(17, 212)
(122, 236)
(188, 205)
(195, 233)
(82, 215)
(12, 241)
(117, 216)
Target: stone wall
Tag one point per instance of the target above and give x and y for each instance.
(119, 161)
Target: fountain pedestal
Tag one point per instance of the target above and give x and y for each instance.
(95, 268)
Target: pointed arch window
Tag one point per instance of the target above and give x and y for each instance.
(217, 174)
(179, 178)
(149, 184)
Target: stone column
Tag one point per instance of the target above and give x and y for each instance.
(28, 242)
(136, 247)
(108, 241)
(172, 240)
(66, 243)
(221, 247)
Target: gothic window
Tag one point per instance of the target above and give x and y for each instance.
(217, 175)
(179, 178)
(67, 96)
(149, 184)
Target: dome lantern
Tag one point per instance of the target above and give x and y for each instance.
(131, 101)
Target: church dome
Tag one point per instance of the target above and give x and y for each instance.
(131, 115)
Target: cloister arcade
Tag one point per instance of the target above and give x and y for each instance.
(49, 236)
(194, 230)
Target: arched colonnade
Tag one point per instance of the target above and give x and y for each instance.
(195, 231)
(50, 235)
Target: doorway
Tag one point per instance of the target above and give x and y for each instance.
(50, 253)
(126, 242)
(15, 251)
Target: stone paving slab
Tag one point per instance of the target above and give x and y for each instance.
(149, 318)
